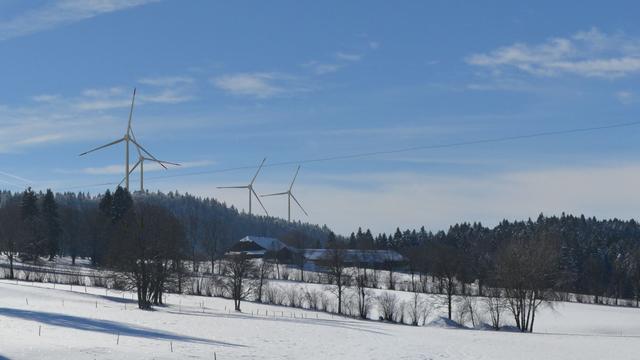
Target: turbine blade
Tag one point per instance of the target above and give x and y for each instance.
(274, 194)
(133, 100)
(259, 201)
(133, 137)
(256, 175)
(130, 172)
(103, 146)
(135, 166)
(294, 178)
(301, 208)
(162, 161)
(232, 187)
(148, 153)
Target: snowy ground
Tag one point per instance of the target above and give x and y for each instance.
(79, 325)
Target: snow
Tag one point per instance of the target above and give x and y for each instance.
(79, 325)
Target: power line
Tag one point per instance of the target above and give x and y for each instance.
(386, 152)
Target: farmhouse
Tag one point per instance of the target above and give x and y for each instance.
(259, 247)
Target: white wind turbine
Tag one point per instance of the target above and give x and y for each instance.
(140, 162)
(127, 138)
(250, 187)
(290, 196)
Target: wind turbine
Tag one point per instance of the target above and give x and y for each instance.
(140, 162)
(250, 187)
(290, 196)
(127, 138)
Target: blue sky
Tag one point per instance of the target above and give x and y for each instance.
(224, 84)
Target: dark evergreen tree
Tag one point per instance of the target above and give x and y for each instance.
(51, 224)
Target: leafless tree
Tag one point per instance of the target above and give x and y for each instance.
(387, 305)
(495, 305)
(363, 295)
(10, 232)
(335, 263)
(418, 309)
(263, 270)
(526, 269)
(467, 310)
(446, 263)
(313, 298)
(238, 269)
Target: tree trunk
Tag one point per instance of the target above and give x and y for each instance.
(11, 266)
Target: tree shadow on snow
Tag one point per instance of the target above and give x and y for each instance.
(103, 326)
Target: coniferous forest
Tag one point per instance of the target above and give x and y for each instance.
(569, 254)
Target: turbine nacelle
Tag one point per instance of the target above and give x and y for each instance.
(143, 154)
(290, 196)
(252, 192)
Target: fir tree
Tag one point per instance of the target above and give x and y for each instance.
(51, 224)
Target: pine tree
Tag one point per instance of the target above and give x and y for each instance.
(122, 203)
(31, 223)
(51, 223)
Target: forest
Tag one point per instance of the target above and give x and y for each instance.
(149, 235)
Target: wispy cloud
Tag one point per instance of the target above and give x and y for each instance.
(348, 57)
(61, 12)
(81, 117)
(626, 97)
(322, 68)
(260, 84)
(167, 81)
(165, 91)
(589, 53)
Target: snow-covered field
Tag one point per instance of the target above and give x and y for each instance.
(38, 322)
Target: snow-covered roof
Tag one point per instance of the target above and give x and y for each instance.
(267, 243)
(353, 255)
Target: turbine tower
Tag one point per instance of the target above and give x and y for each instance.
(140, 162)
(290, 196)
(127, 138)
(250, 187)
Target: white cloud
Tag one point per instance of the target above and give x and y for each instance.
(167, 81)
(374, 45)
(322, 68)
(61, 12)
(45, 98)
(439, 201)
(590, 54)
(348, 57)
(259, 85)
(626, 97)
(93, 114)
(119, 97)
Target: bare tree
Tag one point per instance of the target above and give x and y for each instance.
(238, 269)
(467, 310)
(446, 263)
(10, 232)
(526, 269)
(335, 262)
(418, 309)
(387, 305)
(263, 270)
(495, 305)
(363, 294)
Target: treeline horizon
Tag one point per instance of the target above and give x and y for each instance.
(581, 254)
(576, 253)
